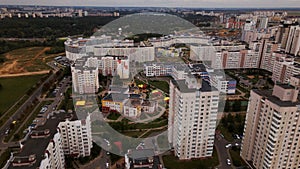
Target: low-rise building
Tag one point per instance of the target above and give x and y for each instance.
(223, 83)
(142, 158)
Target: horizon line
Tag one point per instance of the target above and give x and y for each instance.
(125, 6)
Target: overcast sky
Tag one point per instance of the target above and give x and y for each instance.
(160, 3)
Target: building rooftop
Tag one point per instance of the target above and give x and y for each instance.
(116, 97)
(286, 86)
(141, 153)
(205, 87)
(143, 159)
(268, 95)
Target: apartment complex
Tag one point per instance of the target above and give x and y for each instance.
(192, 117)
(100, 46)
(271, 133)
(76, 137)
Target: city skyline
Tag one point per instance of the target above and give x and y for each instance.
(166, 3)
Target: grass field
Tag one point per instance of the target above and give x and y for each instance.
(14, 88)
(162, 85)
(172, 162)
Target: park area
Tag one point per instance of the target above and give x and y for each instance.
(13, 88)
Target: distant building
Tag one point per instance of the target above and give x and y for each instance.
(293, 41)
(284, 68)
(235, 59)
(104, 45)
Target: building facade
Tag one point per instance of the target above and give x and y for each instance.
(271, 133)
(76, 137)
(192, 118)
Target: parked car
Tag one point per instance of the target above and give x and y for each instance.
(228, 145)
(228, 161)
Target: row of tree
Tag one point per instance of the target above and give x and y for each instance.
(50, 28)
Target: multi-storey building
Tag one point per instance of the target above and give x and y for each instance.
(284, 68)
(135, 54)
(192, 117)
(76, 137)
(235, 59)
(43, 146)
(271, 133)
(293, 40)
(77, 48)
(157, 69)
(54, 154)
(84, 78)
(223, 83)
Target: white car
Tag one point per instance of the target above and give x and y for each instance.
(228, 145)
(228, 161)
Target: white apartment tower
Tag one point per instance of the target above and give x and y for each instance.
(293, 41)
(272, 128)
(76, 137)
(192, 117)
(85, 79)
(54, 155)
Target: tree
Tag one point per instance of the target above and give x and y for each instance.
(236, 106)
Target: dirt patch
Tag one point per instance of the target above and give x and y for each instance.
(25, 61)
(11, 68)
(25, 74)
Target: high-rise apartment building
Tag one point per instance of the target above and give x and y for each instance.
(272, 128)
(293, 40)
(192, 117)
(76, 137)
(284, 68)
(54, 155)
(84, 78)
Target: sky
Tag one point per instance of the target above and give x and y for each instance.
(161, 3)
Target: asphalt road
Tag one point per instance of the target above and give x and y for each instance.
(223, 152)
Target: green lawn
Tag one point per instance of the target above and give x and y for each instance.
(113, 116)
(172, 162)
(14, 88)
(162, 85)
